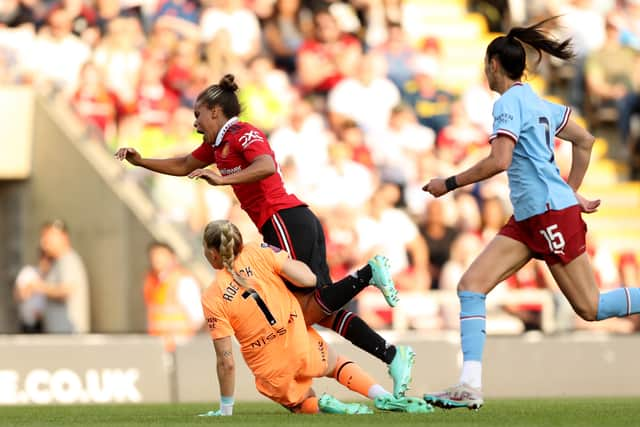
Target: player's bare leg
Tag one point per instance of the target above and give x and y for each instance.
(577, 282)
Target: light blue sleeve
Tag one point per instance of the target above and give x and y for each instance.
(506, 118)
(559, 114)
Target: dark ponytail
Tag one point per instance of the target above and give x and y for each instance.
(222, 94)
(510, 51)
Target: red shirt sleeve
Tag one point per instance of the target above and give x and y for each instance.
(252, 142)
(205, 153)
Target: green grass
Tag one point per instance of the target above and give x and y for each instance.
(513, 413)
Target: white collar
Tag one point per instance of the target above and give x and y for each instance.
(224, 130)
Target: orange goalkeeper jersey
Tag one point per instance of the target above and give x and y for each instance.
(269, 326)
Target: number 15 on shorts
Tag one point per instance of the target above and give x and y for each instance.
(554, 238)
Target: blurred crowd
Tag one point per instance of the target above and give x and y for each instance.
(354, 106)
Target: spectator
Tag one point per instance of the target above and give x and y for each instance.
(58, 54)
(284, 31)
(457, 140)
(65, 285)
(343, 181)
(327, 57)
(266, 94)
(155, 102)
(31, 306)
(426, 163)
(627, 17)
(179, 201)
(584, 24)
(612, 78)
(439, 236)
(14, 13)
(389, 231)
(182, 65)
(478, 101)
(94, 103)
(106, 11)
(171, 295)
(396, 148)
(198, 78)
(304, 139)
(83, 16)
(469, 218)
(119, 58)
(366, 98)
(240, 23)
(354, 138)
(162, 42)
(398, 54)
(180, 17)
(431, 104)
(220, 57)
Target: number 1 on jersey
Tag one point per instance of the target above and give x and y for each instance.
(545, 122)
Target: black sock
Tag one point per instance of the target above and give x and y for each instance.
(353, 328)
(333, 297)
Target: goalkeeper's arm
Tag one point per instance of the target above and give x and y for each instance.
(225, 367)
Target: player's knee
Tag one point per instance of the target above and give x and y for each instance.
(468, 283)
(588, 312)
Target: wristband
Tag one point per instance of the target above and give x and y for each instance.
(451, 183)
(226, 405)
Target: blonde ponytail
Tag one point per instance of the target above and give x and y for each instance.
(225, 237)
(227, 241)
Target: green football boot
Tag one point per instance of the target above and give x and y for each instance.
(330, 405)
(410, 405)
(400, 369)
(381, 279)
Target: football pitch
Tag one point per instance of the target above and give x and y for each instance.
(603, 412)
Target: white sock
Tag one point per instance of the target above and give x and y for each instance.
(472, 373)
(376, 390)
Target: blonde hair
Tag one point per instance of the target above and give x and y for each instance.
(224, 236)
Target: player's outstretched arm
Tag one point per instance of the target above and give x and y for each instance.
(298, 273)
(262, 167)
(582, 142)
(177, 166)
(497, 161)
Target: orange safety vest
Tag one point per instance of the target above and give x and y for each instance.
(166, 317)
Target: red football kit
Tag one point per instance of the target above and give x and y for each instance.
(236, 146)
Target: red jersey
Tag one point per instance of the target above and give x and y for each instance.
(238, 146)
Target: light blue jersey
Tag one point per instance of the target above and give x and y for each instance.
(532, 122)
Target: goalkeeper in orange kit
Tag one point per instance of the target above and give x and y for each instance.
(249, 300)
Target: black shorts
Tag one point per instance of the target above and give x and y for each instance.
(299, 232)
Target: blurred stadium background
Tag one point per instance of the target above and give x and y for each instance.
(362, 105)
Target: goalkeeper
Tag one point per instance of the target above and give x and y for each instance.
(249, 300)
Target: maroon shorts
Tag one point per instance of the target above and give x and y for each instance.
(554, 236)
